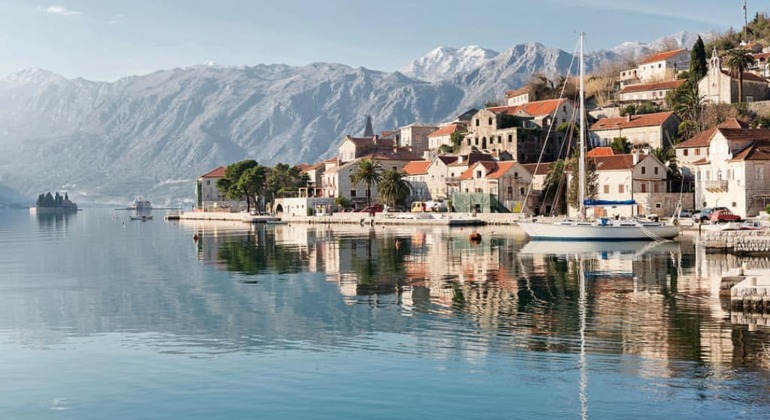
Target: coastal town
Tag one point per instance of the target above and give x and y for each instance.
(683, 129)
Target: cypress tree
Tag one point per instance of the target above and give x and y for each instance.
(698, 67)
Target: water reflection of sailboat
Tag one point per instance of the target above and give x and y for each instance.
(602, 249)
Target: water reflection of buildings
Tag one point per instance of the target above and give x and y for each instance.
(649, 299)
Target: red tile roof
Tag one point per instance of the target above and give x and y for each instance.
(615, 162)
(535, 109)
(600, 151)
(517, 92)
(302, 166)
(500, 169)
(643, 120)
(445, 131)
(703, 161)
(759, 150)
(662, 56)
(390, 154)
(417, 167)
(537, 169)
(747, 77)
(646, 87)
(702, 139)
(215, 173)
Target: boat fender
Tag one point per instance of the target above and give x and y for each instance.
(675, 222)
(475, 237)
(195, 237)
(604, 221)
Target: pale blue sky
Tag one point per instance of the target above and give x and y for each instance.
(106, 40)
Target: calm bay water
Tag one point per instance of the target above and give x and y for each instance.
(103, 317)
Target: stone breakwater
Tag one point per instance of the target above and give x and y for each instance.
(737, 241)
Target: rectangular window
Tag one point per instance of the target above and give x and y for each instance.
(352, 193)
(655, 170)
(478, 174)
(759, 172)
(510, 138)
(620, 188)
(208, 182)
(655, 188)
(697, 152)
(644, 188)
(685, 152)
(644, 170)
(606, 189)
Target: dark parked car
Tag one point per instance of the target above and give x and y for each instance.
(705, 214)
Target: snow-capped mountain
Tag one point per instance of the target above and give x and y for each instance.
(444, 62)
(152, 135)
(636, 50)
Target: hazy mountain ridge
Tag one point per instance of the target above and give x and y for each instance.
(152, 135)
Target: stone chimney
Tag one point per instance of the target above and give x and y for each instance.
(628, 117)
(635, 156)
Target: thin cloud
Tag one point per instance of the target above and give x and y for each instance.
(61, 11)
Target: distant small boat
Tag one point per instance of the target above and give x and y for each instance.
(140, 204)
(142, 218)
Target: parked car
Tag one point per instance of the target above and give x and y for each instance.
(374, 208)
(705, 214)
(686, 213)
(724, 216)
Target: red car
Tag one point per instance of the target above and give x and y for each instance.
(374, 208)
(723, 216)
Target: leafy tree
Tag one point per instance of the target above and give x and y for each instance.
(688, 105)
(456, 140)
(444, 149)
(229, 185)
(284, 179)
(393, 188)
(343, 202)
(553, 188)
(738, 60)
(591, 186)
(368, 171)
(698, 66)
(252, 183)
(621, 145)
(667, 156)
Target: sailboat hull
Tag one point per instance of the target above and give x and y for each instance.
(598, 232)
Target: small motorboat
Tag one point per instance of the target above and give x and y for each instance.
(142, 218)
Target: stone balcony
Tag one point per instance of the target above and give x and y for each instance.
(716, 186)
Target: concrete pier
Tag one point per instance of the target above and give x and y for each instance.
(736, 241)
(750, 290)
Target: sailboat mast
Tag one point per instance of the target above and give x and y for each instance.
(582, 161)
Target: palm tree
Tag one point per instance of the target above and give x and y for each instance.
(621, 145)
(688, 105)
(667, 157)
(738, 60)
(393, 188)
(368, 171)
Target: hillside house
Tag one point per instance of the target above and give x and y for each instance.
(209, 198)
(657, 68)
(646, 130)
(720, 86)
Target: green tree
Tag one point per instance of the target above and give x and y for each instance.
(739, 60)
(445, 149)
(342, 202)
(393, 189)
(284, 179)
(698, 66)
(456, 139)
(368, 171)
(621, 145)
(688, 105)
(229, 185)
(553, 188)
(592, 181)
(252, 183)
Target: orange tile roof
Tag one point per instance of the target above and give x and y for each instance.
(499, 169)
(517, 92)
(759, 150)
(302, 166)
(642, 120)
(215, 173)
(417, 167)
(600, 151)
(537, 169)
(702, 139)
(445, 131)
(615, 162)
(390, 154)
(703, 161)
(535, 109)
(747, 77)
(662, 56)
(646, 87)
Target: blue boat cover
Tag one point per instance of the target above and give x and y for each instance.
(592, 202)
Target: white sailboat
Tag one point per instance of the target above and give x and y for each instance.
(602, 229)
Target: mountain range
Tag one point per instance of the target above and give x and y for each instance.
(152, 135)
